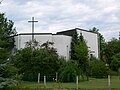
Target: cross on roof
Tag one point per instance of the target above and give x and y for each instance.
(33, 22)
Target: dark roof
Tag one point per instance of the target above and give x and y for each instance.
(71, 30)
(66, 32)
(86, 30)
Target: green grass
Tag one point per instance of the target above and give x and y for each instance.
(91, 84)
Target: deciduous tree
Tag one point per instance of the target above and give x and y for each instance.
(39, 60)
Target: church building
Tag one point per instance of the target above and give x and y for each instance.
(62, 41)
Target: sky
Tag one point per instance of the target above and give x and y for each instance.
(60, 15)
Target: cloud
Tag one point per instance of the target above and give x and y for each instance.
(57, 15)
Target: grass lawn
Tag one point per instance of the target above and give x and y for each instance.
(91, 84)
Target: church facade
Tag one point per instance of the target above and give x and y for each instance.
(62, 41)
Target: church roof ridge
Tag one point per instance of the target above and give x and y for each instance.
(76, 29)
(86, 30)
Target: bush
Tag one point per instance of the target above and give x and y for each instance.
(98, 69)
(7, 71)
(34, 77)
(4, 82)
(69, 72)
(31, 62)
(115, 63)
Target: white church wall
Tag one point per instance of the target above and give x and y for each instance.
(43, 38)
(23, 39)
(91, 40)
(62, 44)
(16, 42)
(26, 38)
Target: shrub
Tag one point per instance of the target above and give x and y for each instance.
(4, 82)
(115, 63)
(69, 72)
(98, 69)
(7, 71)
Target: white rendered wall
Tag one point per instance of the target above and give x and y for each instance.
(16, 42)
(92, 42)
(63, 45)
(43, 38)
(61, 42)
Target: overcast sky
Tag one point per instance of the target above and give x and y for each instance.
(61, 15)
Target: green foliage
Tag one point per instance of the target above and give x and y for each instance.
(40, 60)
(69, 72)
(99, 69)
(115, 64)
(7, 71)
(33, 44)
(6, 45)
(4, 82)
(6, 31)
(81, 51)
(73, 43)
(6, 41)
(101, 40)
(22, 60)
(93, 84)
(94, 29)
(112, 48)
(3, 55)
(81, 54)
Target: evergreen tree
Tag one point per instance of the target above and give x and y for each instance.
(73, 43)
(6, 46)
(6, 36)
(102, 43)
(81, 54)
(112, 48)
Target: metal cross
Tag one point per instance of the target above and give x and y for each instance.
(33, 22)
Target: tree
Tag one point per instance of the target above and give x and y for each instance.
(73, 43)
(39, 60)
(6, 45)
(112, 48)
(3, 55)
(81, 54)
(69, 72)
(98, 69)
(115, 63)
(6, 36)
(33, 44)
(102, 43)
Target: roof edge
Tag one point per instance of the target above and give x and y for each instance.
(77, 29)
(86, 30)
(35, 34)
